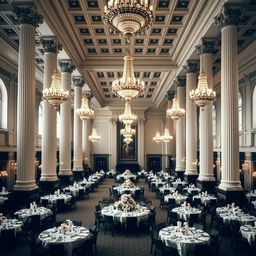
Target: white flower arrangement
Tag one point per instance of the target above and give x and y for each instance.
(64, 228)
(127, 172)
(128, 184)
(126, 203)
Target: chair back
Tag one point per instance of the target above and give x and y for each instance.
(7, 236)
(56, 249)
(44, 202)
(35, 221)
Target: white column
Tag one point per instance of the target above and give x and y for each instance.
(228, 19)
(49, 140)
(141, 143)
(78, 154)
(205, 119)
(191, 120)
(86, 143)
(113, 144)
(26, 100)
(65, 120)
(180, 129)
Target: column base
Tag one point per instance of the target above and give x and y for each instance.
(78, 175)
(190, 178)
(180, 174)
(206, 185)
(49, 186)
(22, 198)
(65, 180)
(232, 196)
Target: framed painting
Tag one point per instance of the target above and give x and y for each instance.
(126, 152)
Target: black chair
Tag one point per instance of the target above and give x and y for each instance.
(60, 204)
(81, 194)
(7, 237)
(131, 225)
(98, 208)
(199, 250)
(99, 219)
(160, 226)
(35, 222)
(162, 250)
(172, 217)
(56, 249)
(94, 231)
(44, 202)
(35, 248)
(77, 223)
(193, 218)
(109, 224)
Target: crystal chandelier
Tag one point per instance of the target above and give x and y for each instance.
(166, 137)
(175, 112)
(85, 112)
(127, 131)
(94, 137)
(157, 138)
(202, 95)
(55, 95)
(128, 140)
(128, 16)
(127, 117)
(128, 86)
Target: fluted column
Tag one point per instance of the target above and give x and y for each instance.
(25, 182)
(180, 129)
(65, 172)
(49, 179)
(113, 144)
(206, 178)
(87, 127)
(191, 123)
(78, 154)
(141, 141)
(228, 20)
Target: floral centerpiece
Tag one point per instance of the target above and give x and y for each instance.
(128, 184)
(64, 228)
(127, 172)
(126, 203)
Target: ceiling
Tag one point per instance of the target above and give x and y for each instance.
(98, 54)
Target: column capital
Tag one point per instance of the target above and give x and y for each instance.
(229, 15)
(78, 81)
(206, 46)
(26, 14)
(141, 120)
(181, 81)
(113, 120)
(191, 66)
(66, 66)
(50, 44)
(170, 95)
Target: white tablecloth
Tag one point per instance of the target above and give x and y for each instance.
(205, 199)
(178, 198)
(73, 190)
(23, 214)
(191, 190)
(251, 196)
(170, 189)
(177, 183)
(249, 233)
(53, 198)
(10, 224)
(3, 199)
(185, 213)
(71, 239)
(141, 214)
(4, 193)
(131, 176)
(121, 189)
(183, 241)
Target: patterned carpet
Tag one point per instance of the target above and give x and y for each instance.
(119, 244)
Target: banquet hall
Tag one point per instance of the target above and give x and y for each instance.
(127, 127)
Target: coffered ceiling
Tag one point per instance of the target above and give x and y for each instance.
(98, 54)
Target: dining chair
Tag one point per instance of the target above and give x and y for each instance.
(131, 225)
(57, 249)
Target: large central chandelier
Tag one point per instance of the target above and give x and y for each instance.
(127, 117)
(128, 16)
(128, 86)
(127, 131)
(166, 137)
(94, 137)
(55, 95)
(175, 112)
(202, 95)
(85, 112)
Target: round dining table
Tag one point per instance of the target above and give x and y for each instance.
(206, 199)
(74, 190)
(141, 213)
(23, 214)
(179, 199)
(11, 224)
(71, 239)
(185, 212)
(121, 190)
(249, 233)
(183, 239)
(53, 198)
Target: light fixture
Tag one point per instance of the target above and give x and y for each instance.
(127, 131)
(202, 95)
(166, 137)
(128, 86)
(127, 117)
(128, 140)
(55, 95)
(94, 137)
(157, 139)
(85, 112)
(175, 112)
(128, 16)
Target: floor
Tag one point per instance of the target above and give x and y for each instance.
(119, 244)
